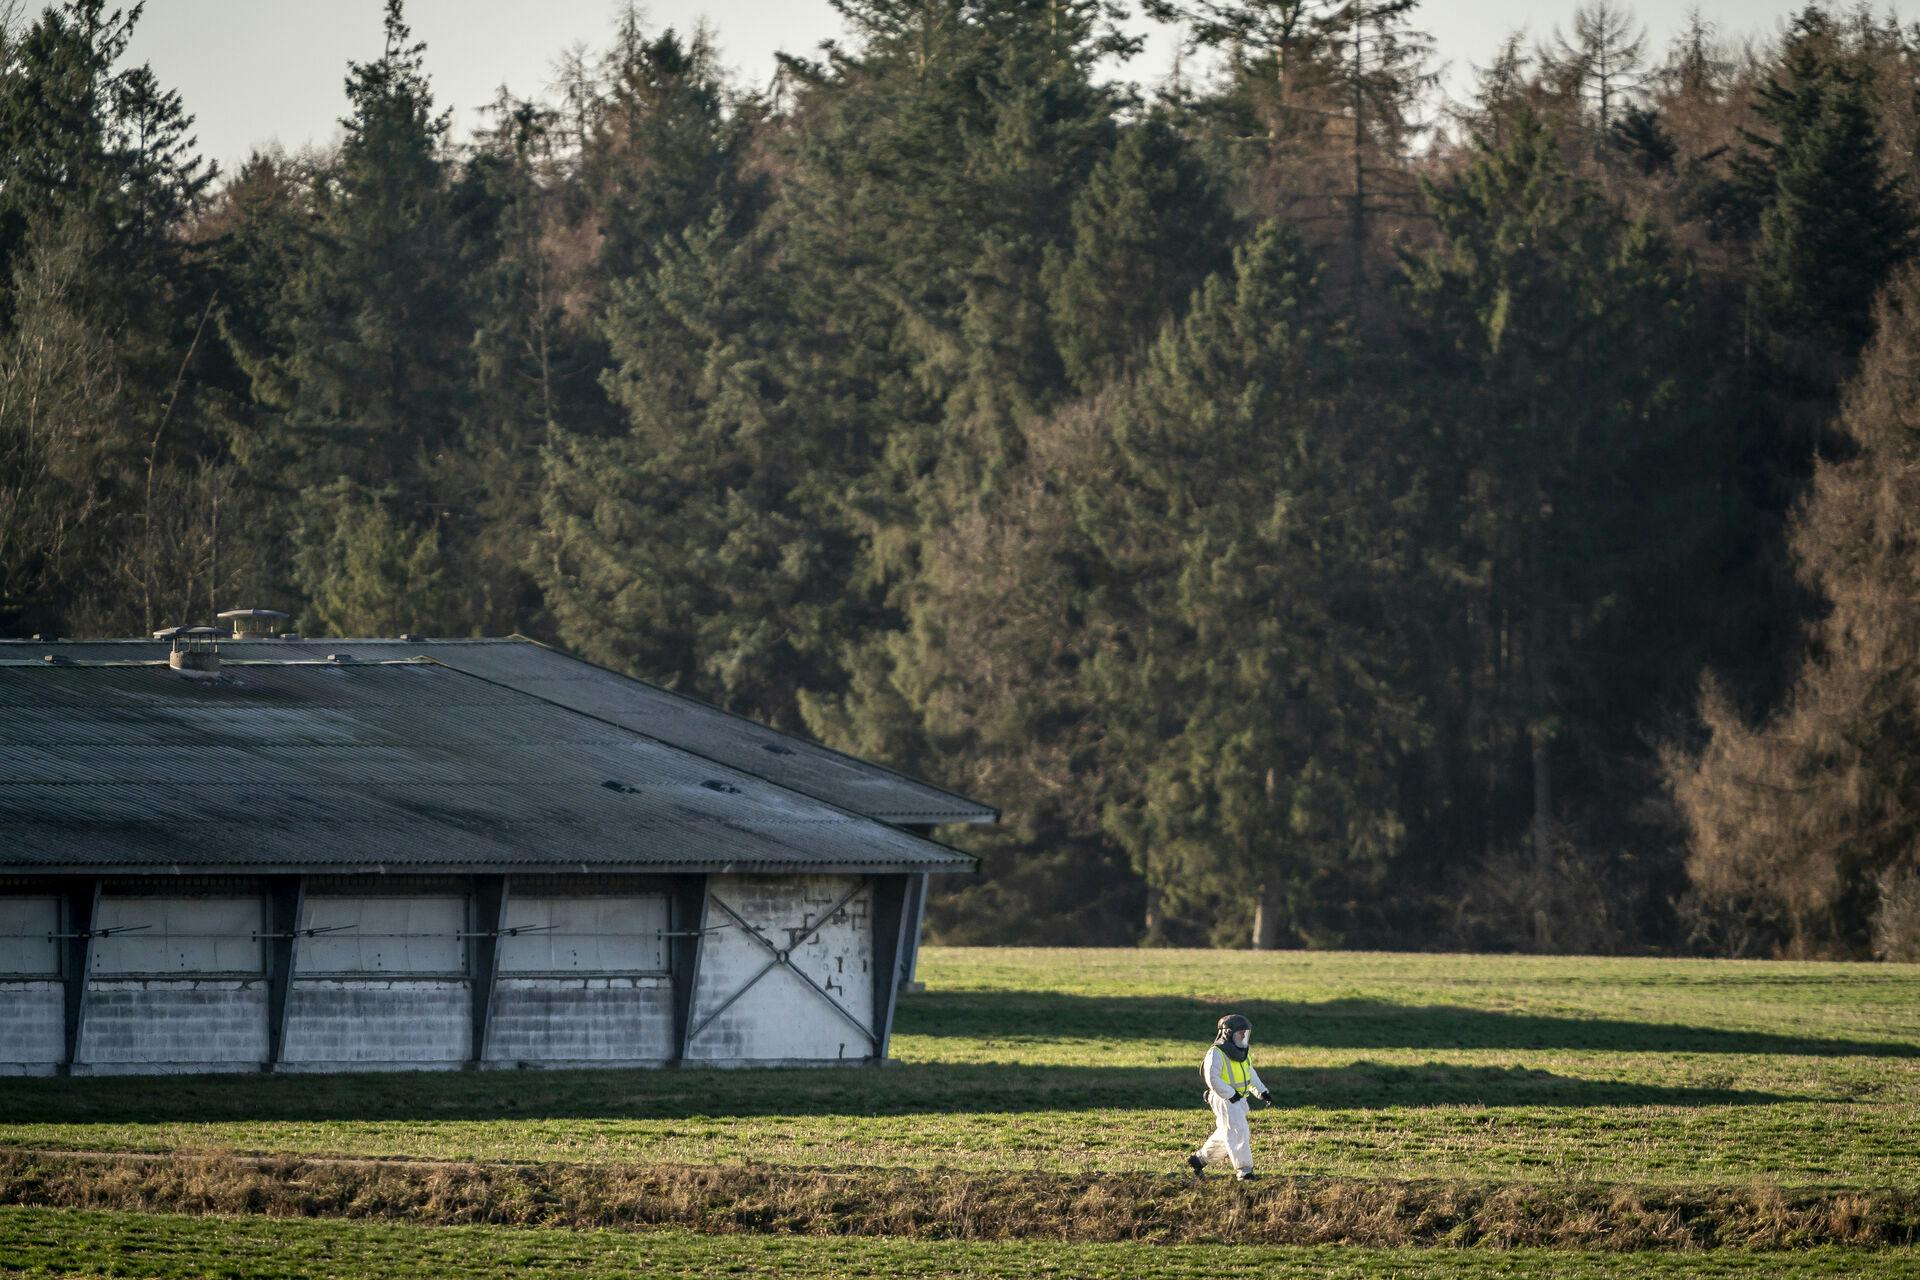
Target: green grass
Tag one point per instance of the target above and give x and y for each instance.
(50, 1242)
(1489, 1069)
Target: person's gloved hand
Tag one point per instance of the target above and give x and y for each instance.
(1265, 1096)
(1237, 1096)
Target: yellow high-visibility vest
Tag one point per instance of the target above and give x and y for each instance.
(1239, 1074)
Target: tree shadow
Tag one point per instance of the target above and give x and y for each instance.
(915, 1089)
(1340, 1024)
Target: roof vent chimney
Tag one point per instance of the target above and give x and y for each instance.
(254, 624)
(196, 650)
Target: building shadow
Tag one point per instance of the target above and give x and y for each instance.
(1342, 1024)
(913, 1089)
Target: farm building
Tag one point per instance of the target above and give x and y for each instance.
(365, 855)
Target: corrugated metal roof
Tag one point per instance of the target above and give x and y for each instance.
(406, 764)
(687, 723)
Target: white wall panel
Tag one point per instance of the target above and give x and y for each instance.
(586, 935)
(181, 935)
(397, 934)
(779, 1017)
(26, 947)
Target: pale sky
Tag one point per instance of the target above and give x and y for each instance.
(262, 71)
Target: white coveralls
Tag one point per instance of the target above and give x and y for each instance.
(1231, 1139)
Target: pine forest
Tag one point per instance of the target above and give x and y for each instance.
(1318, 506)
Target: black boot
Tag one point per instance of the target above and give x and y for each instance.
(1198, 1166)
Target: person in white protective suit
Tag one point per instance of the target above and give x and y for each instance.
(1231, 1080)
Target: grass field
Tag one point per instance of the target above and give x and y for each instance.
(1486, 1068)
(1492, 1072)
(45, 1242)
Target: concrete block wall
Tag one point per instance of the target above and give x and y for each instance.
(174, 1024)
(779, 1017)
(33, 1039)
(365, 1023)
(562, 1019)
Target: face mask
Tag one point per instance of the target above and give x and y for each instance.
(1243, 1038)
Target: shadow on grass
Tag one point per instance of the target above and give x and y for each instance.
(903, 1090)
(1337, 1024)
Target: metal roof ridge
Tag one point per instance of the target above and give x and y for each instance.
(68, 664)
(149, 871)
(709, 706)
(516, 637)
(708, 760)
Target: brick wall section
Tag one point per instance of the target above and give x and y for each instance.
(378, 1022)
(32, 1026)
(165, 1021)
(581, 1020)
(780, 1018)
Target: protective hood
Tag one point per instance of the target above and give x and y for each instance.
(1224, 1043)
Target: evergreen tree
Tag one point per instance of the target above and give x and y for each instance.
(258, 234)
(939, 172)
(700, 546)
(80, 136)
(942, 170)
(1148, 226)
(96, 178)
(1809, 191)
(995, 667)
(536, 364)
(377, 336)
(1809, 223)
(369, 382)
(1252, 513)
(1831, 222)
(1640, 135)
(1558, 335)
(664, 149)
(363, 571)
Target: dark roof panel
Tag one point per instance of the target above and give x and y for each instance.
(404, 764)
(691, 725)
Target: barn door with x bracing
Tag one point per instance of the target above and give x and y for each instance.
(786, 971)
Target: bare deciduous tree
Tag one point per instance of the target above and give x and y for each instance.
(1796, 821)
(1603, 62)
(58, 384)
